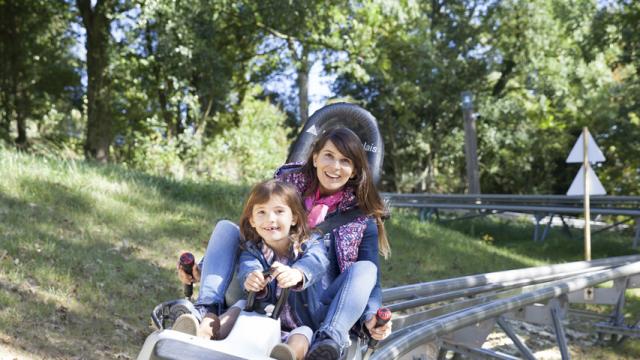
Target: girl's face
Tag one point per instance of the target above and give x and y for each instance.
(332, 169)
(272, 221)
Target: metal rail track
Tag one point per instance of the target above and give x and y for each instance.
(540, 206)
(458, 314)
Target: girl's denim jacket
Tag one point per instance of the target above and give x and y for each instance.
(311, 260)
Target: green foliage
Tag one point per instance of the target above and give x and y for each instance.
(424, 57)
(179, 74)
(38, 73)
(251, 151)
(536, 81)
(191, 61)
(240, 154)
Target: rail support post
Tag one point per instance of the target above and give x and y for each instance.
(557, 314)
(536, 229)
(637, 237)
(546, 228)
(524, 350)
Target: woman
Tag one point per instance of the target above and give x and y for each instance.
(334, 179)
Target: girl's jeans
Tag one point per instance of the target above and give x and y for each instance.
(348, 296)
(218, 268)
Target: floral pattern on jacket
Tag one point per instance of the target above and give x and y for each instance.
(348, 236)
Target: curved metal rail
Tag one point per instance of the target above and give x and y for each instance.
(475, 304)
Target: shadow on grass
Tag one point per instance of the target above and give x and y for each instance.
(67, 298)
(55, 194)
(72, 287)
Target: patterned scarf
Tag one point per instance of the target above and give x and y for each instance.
(318, 207)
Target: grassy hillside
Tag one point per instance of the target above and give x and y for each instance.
(87, 251)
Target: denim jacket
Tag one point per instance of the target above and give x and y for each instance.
(312, 261)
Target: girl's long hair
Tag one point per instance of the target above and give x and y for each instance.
(260, 194)
(368, 197)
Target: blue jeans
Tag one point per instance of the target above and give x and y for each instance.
(347, 299)
(219, 266)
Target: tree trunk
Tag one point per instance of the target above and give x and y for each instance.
(302, 67)
(14, 83)
(172, 126)
(5, 124)
(99, 123)
(21, 126)
(303, 86)
(20, 109)
(498, 88)
(391, 172)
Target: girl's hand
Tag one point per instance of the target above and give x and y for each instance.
(188, 279)
(378, 333)
(286, 276)
(255, 281)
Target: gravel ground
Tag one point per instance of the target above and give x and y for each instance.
(543, 342)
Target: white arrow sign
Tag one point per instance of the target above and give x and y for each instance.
(312, 130)
(595, 186)
(577, 153)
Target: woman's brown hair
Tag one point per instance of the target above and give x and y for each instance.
(369, 200)
(260, 194)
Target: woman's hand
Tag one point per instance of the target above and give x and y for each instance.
(188, 279)
(255, 281)
(378, 333)
(285, 275)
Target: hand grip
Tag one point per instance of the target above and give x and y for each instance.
(251, 297)
(187, 261)
(383, 315)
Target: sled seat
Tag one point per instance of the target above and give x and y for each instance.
(252, 337)
(172, 349)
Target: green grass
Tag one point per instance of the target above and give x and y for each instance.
(86, 252)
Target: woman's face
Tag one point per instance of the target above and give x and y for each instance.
(332, 168)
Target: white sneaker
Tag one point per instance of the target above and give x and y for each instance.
(282, 352)
(186, 323)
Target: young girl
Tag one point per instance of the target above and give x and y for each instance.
(274, 227)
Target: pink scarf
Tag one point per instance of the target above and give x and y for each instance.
(319, 207)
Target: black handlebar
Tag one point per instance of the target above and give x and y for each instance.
(187, 262)
(279, 305)
(383, 315)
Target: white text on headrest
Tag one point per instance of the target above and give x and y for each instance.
(370, 147)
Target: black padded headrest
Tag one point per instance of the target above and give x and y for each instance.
(350, 116)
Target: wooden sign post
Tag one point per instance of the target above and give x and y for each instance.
(587, 204)
(587, 152)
